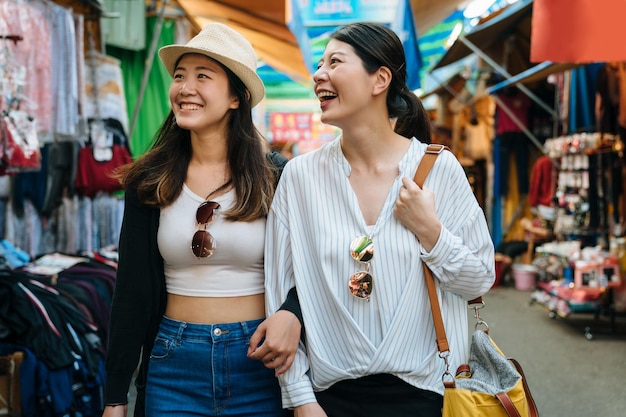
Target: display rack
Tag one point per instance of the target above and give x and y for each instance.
(588, 284)
(561, 301)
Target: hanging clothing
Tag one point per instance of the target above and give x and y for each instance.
(104, 87)
(620, 72)
(516, 144)
(21, 18)
(607, 99)
(512, 139)
(542, 182)
(519, 104)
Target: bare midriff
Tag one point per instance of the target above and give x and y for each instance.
(214, 310)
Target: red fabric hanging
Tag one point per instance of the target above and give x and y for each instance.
(577, 31)
(93, 176)
(541, 191)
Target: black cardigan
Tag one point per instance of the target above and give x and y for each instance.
(139, 300)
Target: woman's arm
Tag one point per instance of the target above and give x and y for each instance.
(276, 340)
(131, 308)
(292, 304)
(451, 227)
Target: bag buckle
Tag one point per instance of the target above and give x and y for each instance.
(446, 376)
(435, 148)
(479, 320)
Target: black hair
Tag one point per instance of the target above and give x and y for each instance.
(379, 46)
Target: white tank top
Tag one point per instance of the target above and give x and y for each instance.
(236, 266)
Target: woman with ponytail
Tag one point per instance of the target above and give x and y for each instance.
(350, 229)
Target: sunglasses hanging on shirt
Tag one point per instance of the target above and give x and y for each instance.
(361, 282)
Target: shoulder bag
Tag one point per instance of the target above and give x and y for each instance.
(489, 384)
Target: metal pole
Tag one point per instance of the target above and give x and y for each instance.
(504, 72)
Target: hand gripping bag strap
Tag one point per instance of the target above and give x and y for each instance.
(427, 162)
(423, 169)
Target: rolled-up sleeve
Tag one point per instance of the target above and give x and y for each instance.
(463, 258)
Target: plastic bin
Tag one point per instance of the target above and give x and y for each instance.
(525, 276)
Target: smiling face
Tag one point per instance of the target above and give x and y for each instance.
(342, 84)
(200, 94)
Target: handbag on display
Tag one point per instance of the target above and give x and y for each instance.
(477, 144)
(94, 174)
(20, 146)
(489, 384)
(477, 131)
(98, 160)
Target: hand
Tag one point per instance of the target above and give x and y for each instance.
(309, 410)
(115, 410)
(526, 224)
(280, 336)
(415, 208)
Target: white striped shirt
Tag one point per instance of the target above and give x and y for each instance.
(313, 219)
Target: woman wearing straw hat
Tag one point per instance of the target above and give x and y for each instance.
(190, 284)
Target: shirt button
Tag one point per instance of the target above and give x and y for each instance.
(217, 332)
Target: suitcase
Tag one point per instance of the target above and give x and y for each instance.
(10, 395)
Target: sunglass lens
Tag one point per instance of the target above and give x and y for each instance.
(361, 284)
(362, 249)
(202, 244)
(205, 211)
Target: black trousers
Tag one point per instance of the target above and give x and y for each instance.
(512, 248)
(380, 395)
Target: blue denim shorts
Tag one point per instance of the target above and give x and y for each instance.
(203, 370)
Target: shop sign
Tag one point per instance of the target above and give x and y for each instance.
(290, 127)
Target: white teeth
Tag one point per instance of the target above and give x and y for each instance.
(325, 94)
(189, 107)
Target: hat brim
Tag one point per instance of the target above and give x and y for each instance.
(171, 54)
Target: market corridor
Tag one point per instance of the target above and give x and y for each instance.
(568, 375)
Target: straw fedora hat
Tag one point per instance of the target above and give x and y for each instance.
(226, 46)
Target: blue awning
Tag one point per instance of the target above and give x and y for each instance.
(514, 19)
(538, 72)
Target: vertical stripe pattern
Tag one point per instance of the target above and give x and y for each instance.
(314, 217)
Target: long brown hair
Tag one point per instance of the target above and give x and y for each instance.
(159, 174)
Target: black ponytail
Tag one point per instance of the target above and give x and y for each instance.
(412, 118)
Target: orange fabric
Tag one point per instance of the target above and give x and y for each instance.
(577, 31)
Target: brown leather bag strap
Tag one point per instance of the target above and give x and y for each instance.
(440, 331)
(427, 162)
(507, 404)
(423, 169)
(534, 412)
